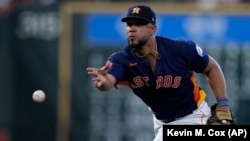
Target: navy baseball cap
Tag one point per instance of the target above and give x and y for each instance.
(140, 12)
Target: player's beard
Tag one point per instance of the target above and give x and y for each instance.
(137, 46)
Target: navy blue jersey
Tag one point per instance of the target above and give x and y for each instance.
(171, 91)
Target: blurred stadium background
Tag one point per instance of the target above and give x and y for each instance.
(47, 44)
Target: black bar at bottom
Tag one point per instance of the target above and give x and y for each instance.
(227, 132)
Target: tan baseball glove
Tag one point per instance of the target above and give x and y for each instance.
(221, 115)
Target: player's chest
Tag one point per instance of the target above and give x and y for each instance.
(166, 76)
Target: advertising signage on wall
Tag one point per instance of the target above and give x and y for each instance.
(100, 29)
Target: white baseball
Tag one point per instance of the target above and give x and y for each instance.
(223, 121)
(39, 96)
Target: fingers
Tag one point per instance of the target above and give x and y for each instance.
(92, 71)
(97, 82)
(96, 73)
(107, 66)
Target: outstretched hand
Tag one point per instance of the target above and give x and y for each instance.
(98, 74)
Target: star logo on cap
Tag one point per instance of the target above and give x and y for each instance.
(136, 10)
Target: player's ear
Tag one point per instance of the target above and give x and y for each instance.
(153, 29)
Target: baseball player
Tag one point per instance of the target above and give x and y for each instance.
(160, 71)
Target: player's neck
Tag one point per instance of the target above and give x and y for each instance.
(149, 49)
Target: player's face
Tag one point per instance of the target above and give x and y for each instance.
(138, 32)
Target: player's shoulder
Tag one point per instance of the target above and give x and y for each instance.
(175, 42)
(122, 54)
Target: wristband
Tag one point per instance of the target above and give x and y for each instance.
(222, 101)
